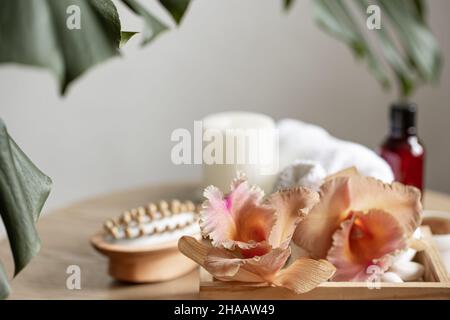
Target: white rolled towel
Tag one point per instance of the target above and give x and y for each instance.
(300, 141)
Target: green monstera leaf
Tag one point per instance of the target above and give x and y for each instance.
(23, 192)
(36, 33)
(152, 26)
(42, 33)
(176, 8)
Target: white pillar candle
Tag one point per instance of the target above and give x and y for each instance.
(249, 143)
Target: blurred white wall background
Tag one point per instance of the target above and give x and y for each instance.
(112, 130)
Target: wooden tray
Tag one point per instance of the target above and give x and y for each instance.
(435, 286)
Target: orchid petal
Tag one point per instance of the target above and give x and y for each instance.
(402, 201)
(315, 232)
(228, 266)
(239, 218)
(291, 206)
(242, 194)
(346, 194)
(216, 220)
(364, 240)
(348, 172)
(305, 274)
(225, 266)
(194, 249)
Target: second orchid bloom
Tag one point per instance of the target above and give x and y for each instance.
(352, 223)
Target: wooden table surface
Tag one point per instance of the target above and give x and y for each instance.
(65, 237)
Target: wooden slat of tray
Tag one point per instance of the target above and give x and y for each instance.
(435, 270)
(436, 285)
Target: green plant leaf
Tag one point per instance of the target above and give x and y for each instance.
(4, 286)
(417, 60)
(109, 17)
(417, 8)
(152, 26)
(288, 4)
(417, 40)
(176, 8)
(125, 36)
(335, 18)
(23, 192)
(393, 56)
(36, 33)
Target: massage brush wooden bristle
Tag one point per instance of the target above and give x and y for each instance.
(152, 220)
(141, 243)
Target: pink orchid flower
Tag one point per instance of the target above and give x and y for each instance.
(359, 222)
(250, 237)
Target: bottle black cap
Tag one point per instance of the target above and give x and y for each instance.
(403, 118)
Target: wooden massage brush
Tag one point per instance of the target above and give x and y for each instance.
(142, 243)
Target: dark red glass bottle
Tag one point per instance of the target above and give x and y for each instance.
(402, 148)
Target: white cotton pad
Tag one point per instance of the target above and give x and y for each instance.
(301, 173)
(408, 270)
(391, 277)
